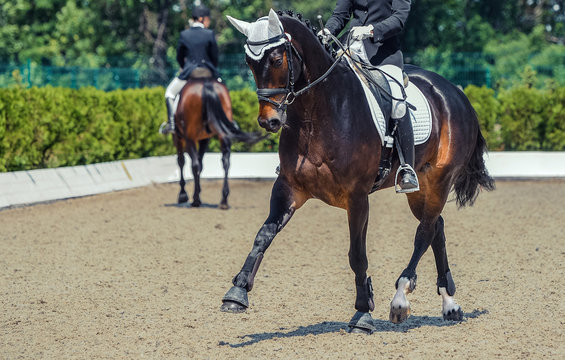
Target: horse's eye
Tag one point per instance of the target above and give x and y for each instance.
(278, 62)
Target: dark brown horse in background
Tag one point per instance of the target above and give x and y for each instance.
(330, 150)
(204, 110)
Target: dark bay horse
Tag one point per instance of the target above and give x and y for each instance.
(330, 150)
(204, 110)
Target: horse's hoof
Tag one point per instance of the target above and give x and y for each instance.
(399, 314)
(196, 203)
(454, 315)
(232, 307)
(361, 323)
(183, 198)
(224, 206)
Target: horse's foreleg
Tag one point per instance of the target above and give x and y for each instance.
(183, 196)
(445, 284)
(406, 283)
(226, 150)
(282, 208)
(358, 215)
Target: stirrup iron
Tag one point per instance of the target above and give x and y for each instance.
(397, 187)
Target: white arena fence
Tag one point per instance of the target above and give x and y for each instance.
(34, 186)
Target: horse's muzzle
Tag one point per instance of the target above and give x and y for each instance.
(271, 118)
(272, 124)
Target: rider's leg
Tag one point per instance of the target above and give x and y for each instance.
(172, 91)
(405, 135)
(408, 179)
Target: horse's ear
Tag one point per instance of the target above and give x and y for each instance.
(275, 24)
(240, 25)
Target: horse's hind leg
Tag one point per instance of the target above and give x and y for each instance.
(226, 150)
(183, 196)
(445, 284)
(196, 169)
(406, 283)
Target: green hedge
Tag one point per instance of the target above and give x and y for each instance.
(521, 118)
(52, 127)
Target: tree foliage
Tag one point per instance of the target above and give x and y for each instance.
(144, 33)
(521, 118)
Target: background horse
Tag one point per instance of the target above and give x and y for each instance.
(330, 150)
(204, 110)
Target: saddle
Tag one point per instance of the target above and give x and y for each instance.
(379, 87)
(200, 73)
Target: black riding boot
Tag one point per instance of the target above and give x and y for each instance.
(168, 127)
(405, 136)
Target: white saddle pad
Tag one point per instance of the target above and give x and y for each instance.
(421, 117)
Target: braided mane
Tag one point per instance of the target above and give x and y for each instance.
(308, 25)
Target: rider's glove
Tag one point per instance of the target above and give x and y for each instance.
(361, 32)
(325, 35)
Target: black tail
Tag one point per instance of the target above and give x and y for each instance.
(213, 115)
(473, 176)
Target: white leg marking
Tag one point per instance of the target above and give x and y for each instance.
(449, 304)
(399, 300)
(399, 306)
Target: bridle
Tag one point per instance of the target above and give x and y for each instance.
(265, 94)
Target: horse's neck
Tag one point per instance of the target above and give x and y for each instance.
(333, 106)
(328, 112)
(315, 58)
(325, 102)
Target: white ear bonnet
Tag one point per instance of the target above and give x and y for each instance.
(262, 35)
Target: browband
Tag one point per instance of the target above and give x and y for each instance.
(264, 42)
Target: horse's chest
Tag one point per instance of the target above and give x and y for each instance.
(316, 179)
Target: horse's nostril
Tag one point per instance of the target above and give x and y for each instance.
(273, 123)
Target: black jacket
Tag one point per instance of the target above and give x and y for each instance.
(197, 47)
(387, 17)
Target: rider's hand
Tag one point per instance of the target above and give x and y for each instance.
(325, 35)
(361, 32)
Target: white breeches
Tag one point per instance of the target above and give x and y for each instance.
(174, 88)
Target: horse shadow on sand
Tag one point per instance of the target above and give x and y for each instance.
(189, 206)
(326, 327)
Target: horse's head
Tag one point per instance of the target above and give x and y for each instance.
(276, 65)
